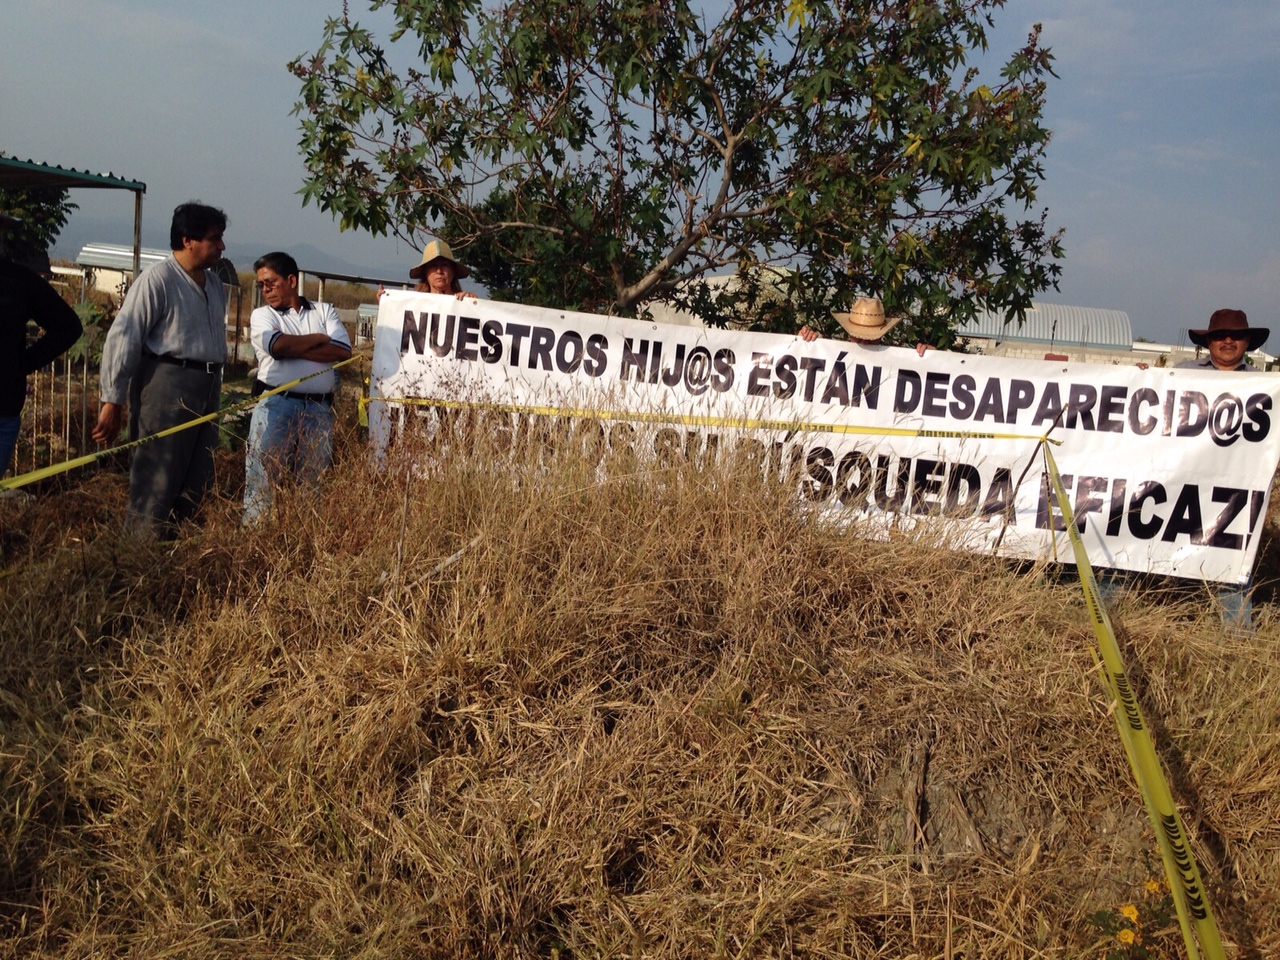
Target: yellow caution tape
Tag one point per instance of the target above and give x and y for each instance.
(1195, 915)
(362, 408)
(692, 420)
(13, 483)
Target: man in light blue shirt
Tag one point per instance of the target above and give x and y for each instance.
(296, 342)
(162, 359)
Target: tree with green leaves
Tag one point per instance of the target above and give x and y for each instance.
(43, 212)
(600, 154)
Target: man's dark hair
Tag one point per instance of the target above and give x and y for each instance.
(279, 261)
(193, 220)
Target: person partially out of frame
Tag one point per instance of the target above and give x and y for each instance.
(291, 432)
(25, 295)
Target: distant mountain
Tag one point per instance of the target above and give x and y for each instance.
(311, 259)
(81, 230)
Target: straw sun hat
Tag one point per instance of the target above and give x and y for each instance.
(436, 250)
(866, 320)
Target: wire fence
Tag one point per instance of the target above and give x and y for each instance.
(63, 400)
(61, 408)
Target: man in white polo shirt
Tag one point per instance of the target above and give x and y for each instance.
(291, 433)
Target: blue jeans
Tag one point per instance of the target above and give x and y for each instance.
(9, 428)
(288, 437)
(1235, 601)
(1237, 605)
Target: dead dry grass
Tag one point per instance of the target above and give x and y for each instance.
(646, 715)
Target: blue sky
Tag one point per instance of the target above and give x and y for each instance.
(1162, 169)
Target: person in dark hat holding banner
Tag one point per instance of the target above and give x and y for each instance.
(1228, 338)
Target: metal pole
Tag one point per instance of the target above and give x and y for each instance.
(235, 349)
(66, 407)
(137, 234)
(84, 373)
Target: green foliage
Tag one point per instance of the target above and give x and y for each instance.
(44, 212)
(94, 320)
(1145, 929)
(604, 153)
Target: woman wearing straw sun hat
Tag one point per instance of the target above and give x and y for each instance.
(439, 272)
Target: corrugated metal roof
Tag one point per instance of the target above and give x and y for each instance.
(28, 173)
(112, 256)
(1058, 324)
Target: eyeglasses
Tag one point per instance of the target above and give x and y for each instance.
(1218, 335)
(269, 284)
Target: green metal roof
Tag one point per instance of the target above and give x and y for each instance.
(15, 173)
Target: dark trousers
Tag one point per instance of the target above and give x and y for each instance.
(170, 476)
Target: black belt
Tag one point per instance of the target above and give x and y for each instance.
(259, 387)
(208, 366)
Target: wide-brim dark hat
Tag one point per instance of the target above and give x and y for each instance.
(1234, 320)
(439, 250)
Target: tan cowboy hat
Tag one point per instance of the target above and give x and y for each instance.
(436, 250)
(1234, 320)
(866, 320)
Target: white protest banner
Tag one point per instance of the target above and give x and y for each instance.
(1169, 470)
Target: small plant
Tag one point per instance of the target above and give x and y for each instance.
(1136, 931)
(94, 320)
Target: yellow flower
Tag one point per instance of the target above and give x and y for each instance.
(1129, 912)
(1154, 887)
(1126, 936)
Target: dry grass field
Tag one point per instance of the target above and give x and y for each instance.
(523, 711)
